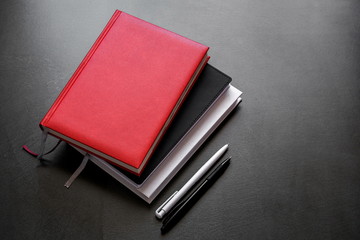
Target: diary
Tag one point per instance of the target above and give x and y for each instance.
(123, 96)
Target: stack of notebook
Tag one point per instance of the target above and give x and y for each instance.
(140, 104)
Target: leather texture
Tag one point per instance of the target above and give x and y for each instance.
(120, 97)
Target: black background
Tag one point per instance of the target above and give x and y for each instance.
(295, 139)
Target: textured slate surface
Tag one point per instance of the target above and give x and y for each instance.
(295, 139)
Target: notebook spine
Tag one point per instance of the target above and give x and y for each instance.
(80, 68)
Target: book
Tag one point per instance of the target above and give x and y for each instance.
(209, 86)
(123, 96)
(181, 153)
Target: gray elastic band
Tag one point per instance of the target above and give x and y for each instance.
(78, 171)
(42, 144)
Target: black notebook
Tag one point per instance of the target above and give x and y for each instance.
(210, 84)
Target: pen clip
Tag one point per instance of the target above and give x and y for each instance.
(158, 212)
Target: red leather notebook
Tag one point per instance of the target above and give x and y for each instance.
(124, 94)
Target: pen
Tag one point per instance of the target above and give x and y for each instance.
(173, 199)
(184, 206)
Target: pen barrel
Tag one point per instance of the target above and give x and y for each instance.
(219, 171)
(182, 208)
(166, 208)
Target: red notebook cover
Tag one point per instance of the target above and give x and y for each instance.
(124, 94)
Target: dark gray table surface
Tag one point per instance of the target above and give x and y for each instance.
(295, 139)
